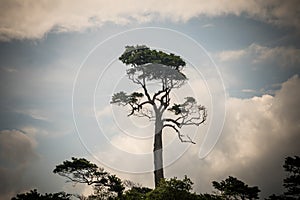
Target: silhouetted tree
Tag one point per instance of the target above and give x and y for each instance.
(34, 195)
(232, 188)
(292, 182)
(276, 197)
(80, 170)
(148, 66)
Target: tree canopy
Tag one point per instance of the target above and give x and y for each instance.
(172, 189)
(141, 55)
(232, 188)
(80, 170)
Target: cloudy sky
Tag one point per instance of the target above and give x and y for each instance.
(59, 67)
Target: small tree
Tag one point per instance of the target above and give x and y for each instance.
(166, 70)
(80, 170)
(232, 188)
(173, 189)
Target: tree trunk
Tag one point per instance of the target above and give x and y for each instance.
(157, 151)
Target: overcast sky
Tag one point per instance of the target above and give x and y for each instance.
(59, 67)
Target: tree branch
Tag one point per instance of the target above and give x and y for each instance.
(172, 121)
(189, 114)
(146, 92)
(180, 136)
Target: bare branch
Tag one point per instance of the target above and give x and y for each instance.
(180, 136)
(172, 121)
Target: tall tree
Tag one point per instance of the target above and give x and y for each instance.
(232, 188)
(148, 66)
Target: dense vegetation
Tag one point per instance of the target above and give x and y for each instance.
(110, 187)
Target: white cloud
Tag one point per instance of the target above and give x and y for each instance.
(208, 26)
(34, 113)
(38, 18)
(34, 131)
(231, 55)
(249, 91)
(286, 56)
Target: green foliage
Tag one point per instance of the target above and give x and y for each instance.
(141, 55)
(147, 65)
(173, 189)
(155, 72)
(34, 195)
(176, 108)
(189, 106)
(122, 98)
(136, 193)
(115, 185)
(80, 170)
(232, 188)
(110, 187)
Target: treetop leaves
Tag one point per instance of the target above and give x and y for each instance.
(141, 55)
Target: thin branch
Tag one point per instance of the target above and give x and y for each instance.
(144, 103)
(180, 136)
(71, 179)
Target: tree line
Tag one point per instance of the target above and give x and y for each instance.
(107, 186)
